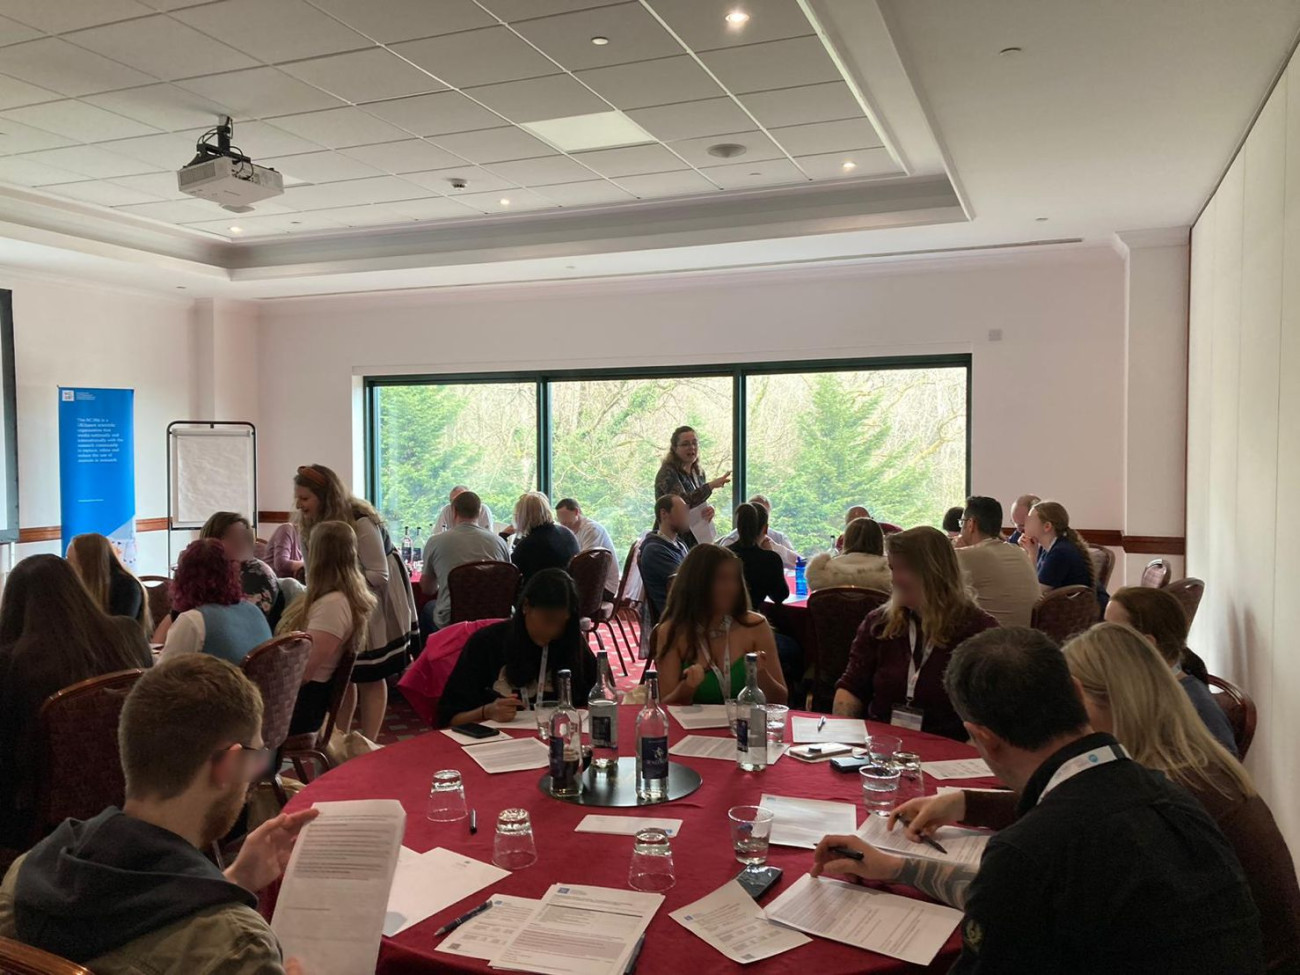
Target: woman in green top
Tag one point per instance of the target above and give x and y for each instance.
(706, 630)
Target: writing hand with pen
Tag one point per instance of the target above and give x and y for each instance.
(502, 709)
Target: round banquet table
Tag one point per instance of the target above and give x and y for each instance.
(701, 851)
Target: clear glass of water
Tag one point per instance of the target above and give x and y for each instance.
(652, 862)
(514, 848)
(879, 788)
(544, 711)
(446, 797)
(751, 831)
(882, 748)
(911, 777)
(776, 718)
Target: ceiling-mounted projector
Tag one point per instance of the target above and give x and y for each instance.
(224, 175)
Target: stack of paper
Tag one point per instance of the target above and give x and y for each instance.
(846, 731)
(901, 927)
(426, 883)
(486, 935)
(627, 825)
(579, 930)
(694, 717)
(526, 720)
(963, 845)
(705, 746)
(511, 755)
(958, 768)
(467, 740)
(732, 922)
(803, 822)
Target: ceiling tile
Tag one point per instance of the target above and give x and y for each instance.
(543, 172)
(12, 32)
(776, 64)
(161, 185)
(95, 162)
(556, 96)
(22, 172)
(164, 107)
(511, 10)
(658, 82)
(101, 192)
(15, 137)
(494, 145)
(259, 93)
(477, 57)
(743, 175)
(519, 199)
(176, 211)
(587, 193)
(703, 26)
(352, 192)
(162, 47)
(480, 180)
(757, 147)
(438, 114)
(633, 35)
(55, 64)
(273, 30)
(432, 208)
(866, 162)
(340, 127)
(408, 156)
(370, 215)
(666, 184)
(166, 152)
(691, 119)
(259, 139)
(631, 160)
(807, 140)
(56, 16)
(254, 226)
(79, 121)
(172, 4)
(364, 76)
(797, 106)
(321, 167)
(14, 93)
(388, 21)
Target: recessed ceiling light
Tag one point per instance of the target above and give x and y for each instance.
(600, 41)
(1007, 52)
(599, 130)
(737, 18)
(504, 201)
(236, 230)
(848, 165)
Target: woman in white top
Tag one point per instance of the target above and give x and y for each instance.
(334, 612)
(862, 562)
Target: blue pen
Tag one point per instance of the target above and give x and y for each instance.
(451, 926)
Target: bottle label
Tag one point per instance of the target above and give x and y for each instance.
(557, 758)
(654, 758)
(603, 731)
(742, 735)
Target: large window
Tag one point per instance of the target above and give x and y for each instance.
(814, 437)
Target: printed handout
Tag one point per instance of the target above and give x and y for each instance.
(732, 922)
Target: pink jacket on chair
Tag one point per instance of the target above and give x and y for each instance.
(424, 680)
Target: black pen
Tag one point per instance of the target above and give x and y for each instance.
(473, 821)
(929, 841)
(451, 926)
(846, 853)
(636, 953)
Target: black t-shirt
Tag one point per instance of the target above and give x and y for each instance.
(1115, 871)
(764, 574)
(545, 547)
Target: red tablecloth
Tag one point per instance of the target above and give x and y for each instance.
(702, 853)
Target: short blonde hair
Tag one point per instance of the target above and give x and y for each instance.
(532, 510)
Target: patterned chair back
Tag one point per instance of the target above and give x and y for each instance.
(1188, 592)
(1103, 560)
(484, 590)
(1240, 709)
(1064, 612)
(276, 667)
(158, 593)
(837, 613)
(1156, 574)
(589, 570)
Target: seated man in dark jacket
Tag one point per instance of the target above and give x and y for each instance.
(660, 554)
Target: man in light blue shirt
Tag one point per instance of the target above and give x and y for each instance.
(591, 534)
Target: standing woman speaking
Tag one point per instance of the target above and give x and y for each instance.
(681, 474)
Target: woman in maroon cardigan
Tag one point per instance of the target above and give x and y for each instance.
(896, 663)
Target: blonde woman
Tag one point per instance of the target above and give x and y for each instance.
(335, 612)
(319, 496)
(861, 561)
(1058, 552)
(541, 543)
(110, 583)
(1130, 692)
(896, 663)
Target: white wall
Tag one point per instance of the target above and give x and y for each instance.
(1047, 398)
(1243, 414)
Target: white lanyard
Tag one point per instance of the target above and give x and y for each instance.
(914, 671)
(1098, 756)
(723, 689)
(541, 673)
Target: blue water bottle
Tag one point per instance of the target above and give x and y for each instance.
(800, 580)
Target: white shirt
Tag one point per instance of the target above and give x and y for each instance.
(1002, 580)
(780, 545)
(446, 518)
(330, 614)
(592, 534)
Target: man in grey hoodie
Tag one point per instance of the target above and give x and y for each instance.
(130, 891)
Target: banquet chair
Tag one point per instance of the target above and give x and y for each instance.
(626, 606)
(80, 768)
(276, 667)
(1156, 574)
(837, 613)
(1103, 560)
(158, 594)
(888, 529)
(1064, 612)
(312, 746)
(17, 958)
(1240, 709)
(484, 590)
(589, 570)
(1188, 592)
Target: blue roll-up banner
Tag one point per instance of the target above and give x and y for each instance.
(97, 465)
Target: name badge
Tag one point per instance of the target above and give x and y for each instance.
(907, 717)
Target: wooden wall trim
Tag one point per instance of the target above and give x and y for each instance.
(1154, 545)
(53, 533)
(273, 517)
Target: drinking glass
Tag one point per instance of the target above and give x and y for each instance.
(881, 748)
(911, 777)
(751, 830)
(879, 788)
(513, 848)
(776, 715)
(446, 797)
(652, 862)
(544, 711)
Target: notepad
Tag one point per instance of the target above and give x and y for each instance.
(844, 730)
(958, 768)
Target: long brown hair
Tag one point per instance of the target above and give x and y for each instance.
(929, 555)
(1055, 515)
(690, 600)
(332, 567)
(1153, 716)
(1156, 613)
(337, 503)
(671, 458)
(95, 559)
(864, 535)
